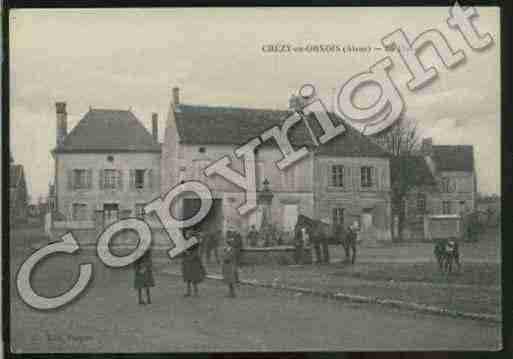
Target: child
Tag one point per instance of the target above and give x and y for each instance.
(230, 267)
(144, 276)
(193, 271)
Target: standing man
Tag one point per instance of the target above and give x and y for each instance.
(306, 241)
(298, 246)
(316, 241)
(253, 236)
(236, 244)
(325, 245)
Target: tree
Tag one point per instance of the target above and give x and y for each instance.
(402, 141)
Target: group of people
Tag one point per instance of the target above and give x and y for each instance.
(193, 271)
(312, 239)
(305, 239)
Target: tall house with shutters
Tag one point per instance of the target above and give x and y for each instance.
(342, 181)
(108, 166)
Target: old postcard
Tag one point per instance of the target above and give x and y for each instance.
(254, 179)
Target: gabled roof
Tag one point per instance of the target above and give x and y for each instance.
(109, 130)
(235, 126)
(413, 169)
(16, 175)
(454, 157)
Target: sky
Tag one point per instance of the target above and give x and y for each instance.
(131, 58)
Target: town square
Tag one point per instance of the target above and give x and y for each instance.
(322, 200)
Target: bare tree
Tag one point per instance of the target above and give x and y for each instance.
(402, 141)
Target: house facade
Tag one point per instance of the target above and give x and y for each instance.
(107, 167)
(444, 183)
(345, 180)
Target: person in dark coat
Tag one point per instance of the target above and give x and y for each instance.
(253, 236)
(324, 245)
(212, 245)
(193, 271)
(316, 242)
(144, 276)
(237, 245)
(229, 267)
(298, 246)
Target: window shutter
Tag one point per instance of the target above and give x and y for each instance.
(70, 179)
(89, 178)
(131, 179)
(374, 178)
(346, 175)
(356, 178)
(100, 179)
(120, 179)
(150, 178)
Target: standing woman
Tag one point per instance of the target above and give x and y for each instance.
(144, 276)
(193, 271)
(230, 267)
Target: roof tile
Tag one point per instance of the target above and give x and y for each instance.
(109, 130)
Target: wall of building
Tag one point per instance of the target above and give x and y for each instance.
(95, 197)
(290, 187)
(353, 198)
(192, 162)
(462, 187)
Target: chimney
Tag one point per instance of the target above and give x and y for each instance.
(176, 95)
(155, 126)
(427, 146)
(62, 122)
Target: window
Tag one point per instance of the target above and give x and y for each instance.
(139, 178)
(337, 176)
(79, 212)
(421, 203)
(447, 185)
(79, 178)
(446, 207)
(463, 207)
(109, 178)
(338, 215)
(202, 150)
(366, 176)
(139, 209)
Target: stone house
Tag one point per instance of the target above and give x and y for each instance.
(108, 166)
(343, 180)
(445, 183)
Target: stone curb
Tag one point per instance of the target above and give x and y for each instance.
(424, 308)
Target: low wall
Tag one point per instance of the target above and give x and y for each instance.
(442, 226)
(282, 255)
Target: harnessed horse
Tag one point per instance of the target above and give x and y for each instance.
(447, 252)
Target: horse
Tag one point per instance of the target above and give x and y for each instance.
(320, 236)
(447, 253)
(347, 237)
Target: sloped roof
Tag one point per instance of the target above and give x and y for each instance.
(109, 130)
(235, 126)
(413, 169)
(15, 175)
(454, 157)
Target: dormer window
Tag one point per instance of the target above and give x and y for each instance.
(202, 150)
